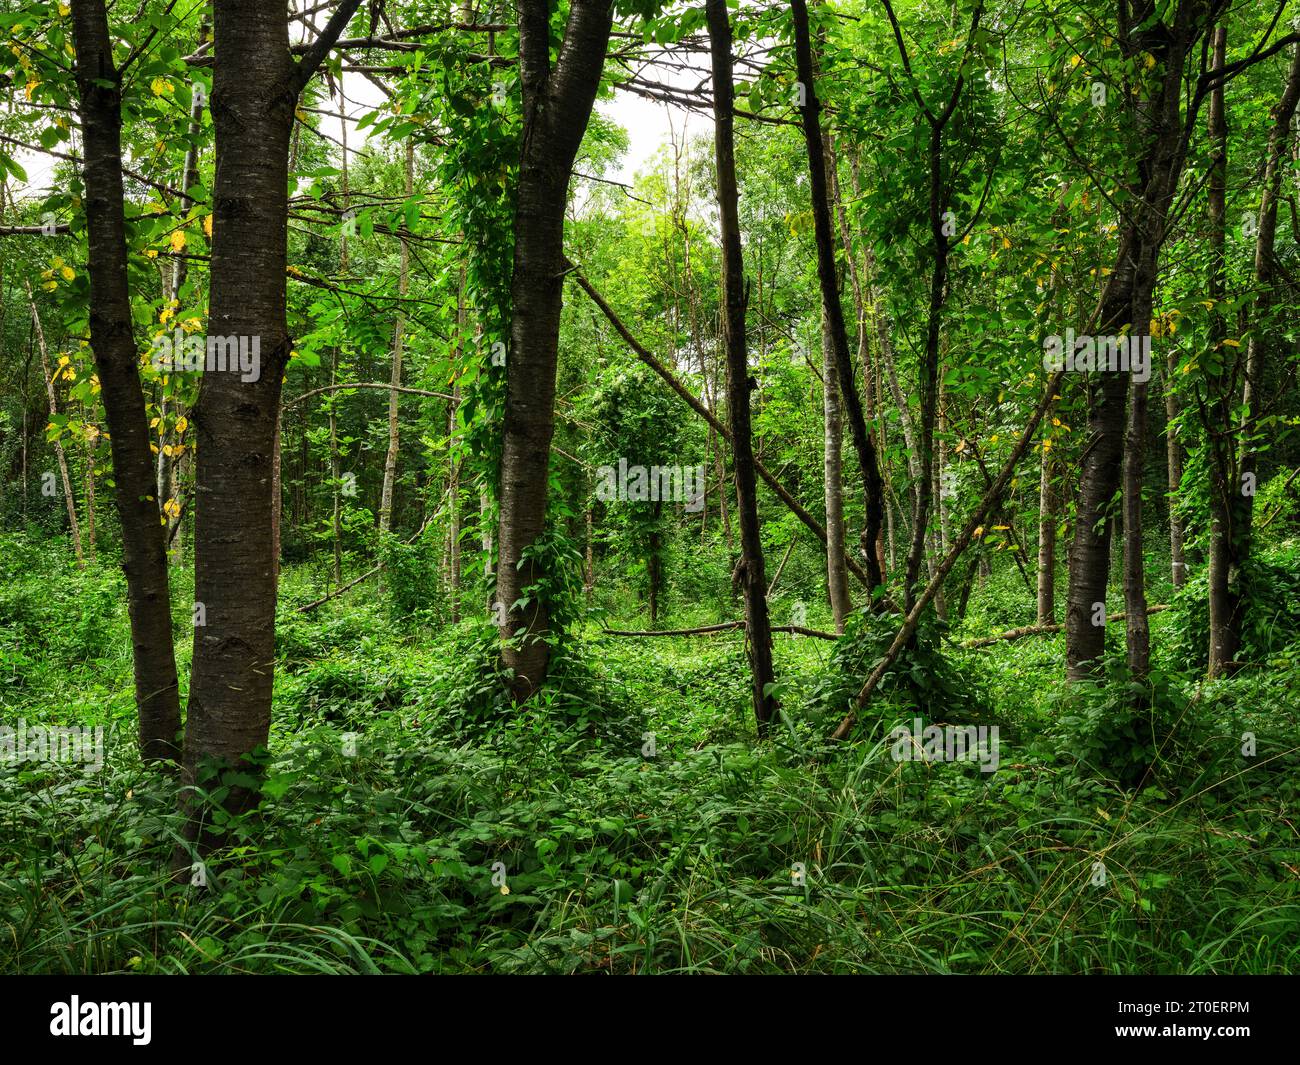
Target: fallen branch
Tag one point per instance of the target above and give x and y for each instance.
(356, 580)
(726, 626)
(1041, 630)
(366, 384)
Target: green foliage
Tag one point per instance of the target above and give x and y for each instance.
(922, 678)
(1270, 584)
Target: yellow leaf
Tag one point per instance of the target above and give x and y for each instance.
(161, 86)
(178, 240)
(207, 227)
(182, 424)
(68, 273)
(1231, 343)
(64, 9)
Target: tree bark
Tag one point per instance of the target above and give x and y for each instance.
(739, 382)
(70, 501)
(1046, 541)
(1174, 473)
(256, 86)
(1126, 309)
(1261, 353)
(557, 106)
(832, 310)
(837, 578)
(403, 287)
(112, 339)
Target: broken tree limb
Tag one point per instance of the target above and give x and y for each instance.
(1041, 630)
(355, 580)
(366, 384)
(646, 357)
(726, 626)
(975, 521)
(781, 568)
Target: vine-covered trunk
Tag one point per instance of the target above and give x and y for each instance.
(557, 107)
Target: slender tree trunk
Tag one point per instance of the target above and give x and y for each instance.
(832, 311)
(454, 462)
(1126, 309)
(1174, 468)
(1046, 541)
(739, 382)
(395, 378)
(1261, 353)
(91, 432)
(654, 562)
(1135, 603)
(557, 106)
(336, 475)
(112, 339)
(68, 498)
(837, 577)
(589, 569)
(256, 86)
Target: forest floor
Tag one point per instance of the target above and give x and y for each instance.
(629, 821)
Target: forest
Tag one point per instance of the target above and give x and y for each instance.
(649, 487)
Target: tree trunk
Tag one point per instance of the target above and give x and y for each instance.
(832, 311)
(739, 382)
(1174, 468)
(837, 578)
(1046, 541)
(395, 378)
(91, 433)
(112, 339)
(1261, 353)
(68, 498)
(557, 106)
(255, 91)
(1126, 309)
